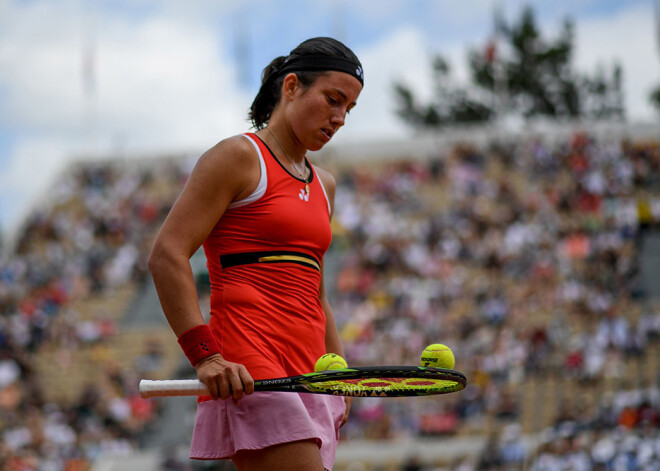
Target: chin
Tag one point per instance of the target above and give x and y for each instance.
(316, 142)
(316, 147)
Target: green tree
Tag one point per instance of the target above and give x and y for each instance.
(451, 102)
(655, 98)
(525, 74)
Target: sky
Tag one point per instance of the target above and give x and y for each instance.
(86, 79)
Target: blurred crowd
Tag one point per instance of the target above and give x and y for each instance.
(87, 240)
(622, 433)
(521, 256)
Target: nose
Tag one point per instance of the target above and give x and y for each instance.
(339, 118)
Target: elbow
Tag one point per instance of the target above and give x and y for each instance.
(153, 260)
(167, 256)
(159, 258)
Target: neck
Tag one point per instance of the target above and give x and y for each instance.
(298, 164)
(285, 143)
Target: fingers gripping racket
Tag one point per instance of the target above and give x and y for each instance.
(371, 381)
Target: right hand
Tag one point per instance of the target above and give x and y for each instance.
(223, 378)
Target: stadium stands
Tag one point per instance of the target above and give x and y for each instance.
(524, 254)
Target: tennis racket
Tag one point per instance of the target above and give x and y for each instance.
(370, 381)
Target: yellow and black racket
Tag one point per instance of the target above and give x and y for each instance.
(369, 381)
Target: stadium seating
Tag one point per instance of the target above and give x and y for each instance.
(522, 254)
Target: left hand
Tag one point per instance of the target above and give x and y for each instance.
(347, 401)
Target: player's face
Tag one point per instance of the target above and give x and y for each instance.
(316, 113)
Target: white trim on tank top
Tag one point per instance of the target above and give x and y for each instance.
(260, 190)
(263, 180)
(327, 200)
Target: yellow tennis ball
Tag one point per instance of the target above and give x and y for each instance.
(438, 355)
(330, 361)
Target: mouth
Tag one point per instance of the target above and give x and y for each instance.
(328, 133)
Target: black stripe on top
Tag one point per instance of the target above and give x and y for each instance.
(307, 164)
(278, 256)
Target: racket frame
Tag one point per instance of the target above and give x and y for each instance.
(309, 383)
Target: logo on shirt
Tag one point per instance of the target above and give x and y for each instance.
(303, 195)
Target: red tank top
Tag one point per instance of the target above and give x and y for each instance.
(264, 258)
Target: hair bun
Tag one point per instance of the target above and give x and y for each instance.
(275, 66)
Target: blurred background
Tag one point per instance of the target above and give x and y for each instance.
(498, 192)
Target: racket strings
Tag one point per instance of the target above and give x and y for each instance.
(384, 384)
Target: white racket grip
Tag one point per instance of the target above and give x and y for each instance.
(172, 387)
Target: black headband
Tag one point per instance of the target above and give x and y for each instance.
(319, 63)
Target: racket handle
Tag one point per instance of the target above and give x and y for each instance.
(172, 387)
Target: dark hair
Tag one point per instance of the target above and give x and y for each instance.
(271, 90)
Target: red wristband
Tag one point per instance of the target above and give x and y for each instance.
(198, 343)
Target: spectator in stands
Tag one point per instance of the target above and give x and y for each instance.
(413, 463)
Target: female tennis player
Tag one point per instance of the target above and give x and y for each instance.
(262, 212)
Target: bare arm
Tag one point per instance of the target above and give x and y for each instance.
(223, 174)
(332, 338)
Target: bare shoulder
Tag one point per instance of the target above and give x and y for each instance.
(233, 151)
(327, 179)
(229, 170)
(329, 183)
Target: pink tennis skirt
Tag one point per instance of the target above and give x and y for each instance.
(264, 419)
